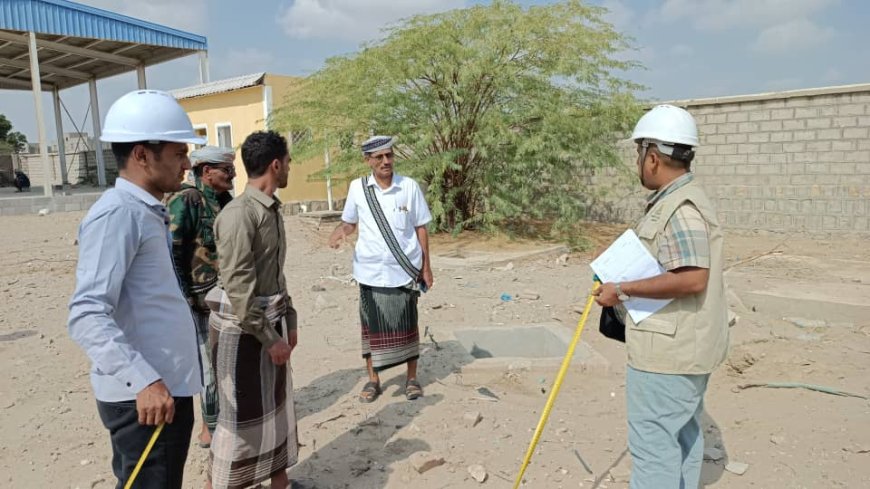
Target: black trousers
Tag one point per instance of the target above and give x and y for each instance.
(164, 467)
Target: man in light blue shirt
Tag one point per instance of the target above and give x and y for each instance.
(128, 312)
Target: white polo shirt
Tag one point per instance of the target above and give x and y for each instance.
(405, 209)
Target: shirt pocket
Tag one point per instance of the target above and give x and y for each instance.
(400, 217)
(647, 231)
(654, 325)
(206, 233)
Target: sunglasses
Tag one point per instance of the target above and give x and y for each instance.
(229, 170)
(383, 157)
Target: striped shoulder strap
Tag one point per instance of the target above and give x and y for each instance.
(387, 232)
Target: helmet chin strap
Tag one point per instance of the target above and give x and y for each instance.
(645, 146)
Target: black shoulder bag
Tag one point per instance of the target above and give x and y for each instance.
(610, 325)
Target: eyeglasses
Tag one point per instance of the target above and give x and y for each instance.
(383, 157)
(229, 170)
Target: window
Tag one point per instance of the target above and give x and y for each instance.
(224, 135)
(201, 131)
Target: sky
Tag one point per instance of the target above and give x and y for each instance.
(689, 48)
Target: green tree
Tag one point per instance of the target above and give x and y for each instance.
(16, 141)
(502, 111)
(10, 141)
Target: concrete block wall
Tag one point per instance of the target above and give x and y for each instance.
(796, 161)
(23, 205)
(81, 167)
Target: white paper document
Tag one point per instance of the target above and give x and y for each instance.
(625, 260)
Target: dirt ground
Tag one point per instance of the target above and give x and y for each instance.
(51, 436)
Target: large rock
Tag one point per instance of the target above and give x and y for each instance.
(321, 303)
(738, 468)
(713, 454)
(620, 474)
(472, 418)
(425, 461)
(478, 473)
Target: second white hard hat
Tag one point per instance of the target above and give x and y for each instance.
(148, 115)
(667, 124)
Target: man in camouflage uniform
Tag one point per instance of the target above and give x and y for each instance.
(192, 213)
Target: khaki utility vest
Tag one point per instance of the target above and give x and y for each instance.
(689, 335)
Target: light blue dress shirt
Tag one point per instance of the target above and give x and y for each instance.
(128, 312)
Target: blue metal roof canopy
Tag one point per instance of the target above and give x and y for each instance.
(57, 44)
(77, 42)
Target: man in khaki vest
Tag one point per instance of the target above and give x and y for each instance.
(672, 353)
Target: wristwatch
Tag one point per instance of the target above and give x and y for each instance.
(622, 296)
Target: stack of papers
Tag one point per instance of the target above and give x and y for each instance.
(625, 260)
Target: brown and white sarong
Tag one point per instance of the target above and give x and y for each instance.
(256, 430)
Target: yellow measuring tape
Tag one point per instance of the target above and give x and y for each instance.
(556, 386)
(145, 453)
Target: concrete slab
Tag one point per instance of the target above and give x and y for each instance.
(322, 216)
(833, 290)
(319, 218)
(800, 300)
(526, 346)
(468, 259)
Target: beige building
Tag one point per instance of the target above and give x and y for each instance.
(227, 111)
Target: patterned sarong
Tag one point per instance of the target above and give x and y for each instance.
(209, 395)
(389, 325)
(256, 431)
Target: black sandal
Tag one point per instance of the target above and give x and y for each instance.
(413, 390)
(370, 392)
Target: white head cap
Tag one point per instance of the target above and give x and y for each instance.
(377, 143)
(212, 154)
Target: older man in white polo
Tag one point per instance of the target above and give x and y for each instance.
(390, 263)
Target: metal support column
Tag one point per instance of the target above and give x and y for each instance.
(203, 66)
(98, 145)
(61, 147)
(328, 179)
(140, 75)
(36, 83)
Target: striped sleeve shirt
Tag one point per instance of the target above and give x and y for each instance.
(685, 242)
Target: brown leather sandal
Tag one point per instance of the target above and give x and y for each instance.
(413, 390)
(370, 392)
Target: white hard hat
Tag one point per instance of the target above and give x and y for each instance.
(667, 124)
(148, 115)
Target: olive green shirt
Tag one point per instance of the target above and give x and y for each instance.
(251, 248)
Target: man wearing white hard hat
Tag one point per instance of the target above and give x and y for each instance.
(672, 353)
(128, 311)
(192, 212)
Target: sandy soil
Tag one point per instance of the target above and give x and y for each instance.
(791, 438)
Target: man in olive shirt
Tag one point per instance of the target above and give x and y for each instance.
(255, 438)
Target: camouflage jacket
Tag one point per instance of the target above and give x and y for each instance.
(192, 211)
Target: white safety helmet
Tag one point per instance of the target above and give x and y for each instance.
(666, 125)
(148, 115)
